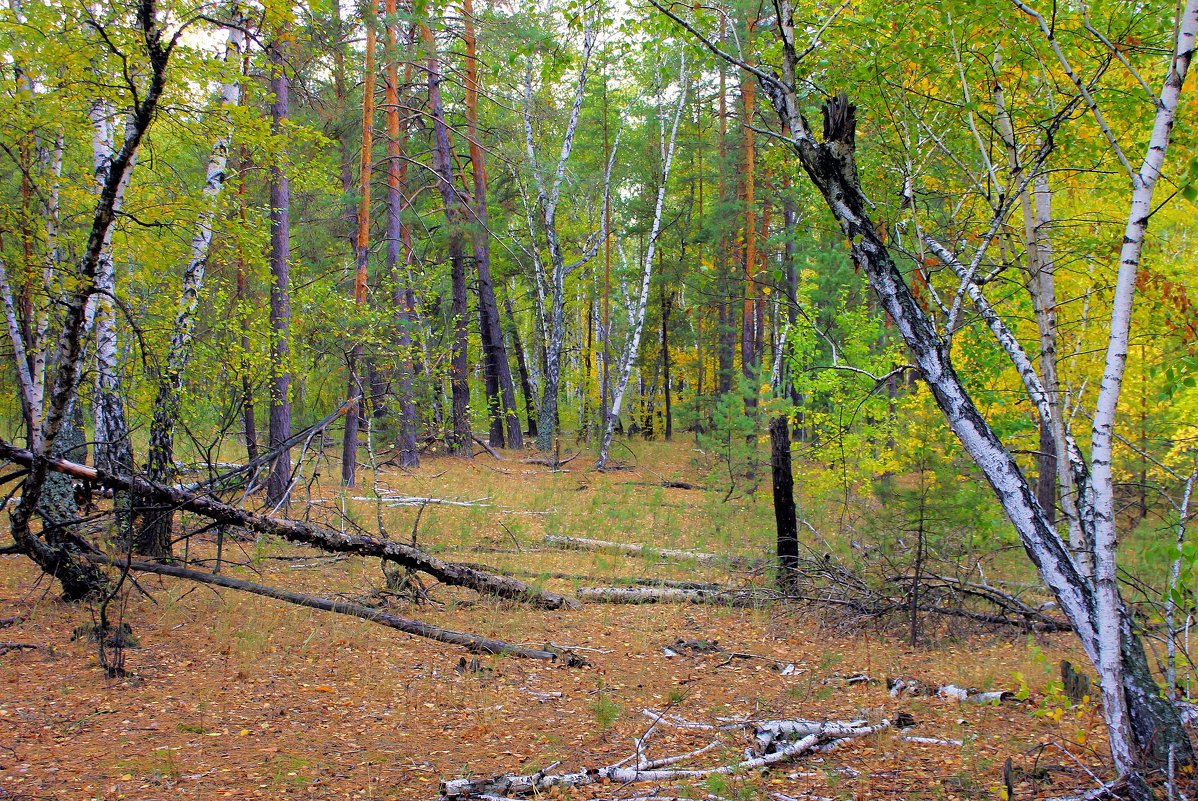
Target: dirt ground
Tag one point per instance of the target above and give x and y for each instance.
(234, 696)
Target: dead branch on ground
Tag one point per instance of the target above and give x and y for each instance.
(472, 642)
(775, 742)
(305, 533)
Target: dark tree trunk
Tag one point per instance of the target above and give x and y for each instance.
(530, 398)
(1046, 464)
(666, 305)
(727, 336)
(277, 485)
(397, 238)
(785, 514)
(501, 393)
(249, 424)
(354, 389)
(458, 438)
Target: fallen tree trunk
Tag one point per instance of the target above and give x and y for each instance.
(773, 748)
(676, 595)
(750, 598)
(636, 549)
(306, 533)
(472, 642)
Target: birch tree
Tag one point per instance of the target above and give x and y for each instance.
(154, 537)
(1145, 729)
(666, 144)
(549, 190)
(56, 555)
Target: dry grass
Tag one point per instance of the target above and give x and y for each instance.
(235, 696)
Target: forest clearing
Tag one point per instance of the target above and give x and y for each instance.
(486, 401)
(229, 695)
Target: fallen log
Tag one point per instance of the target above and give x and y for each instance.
(5, 647)
(554, 463)
(771, 751)
(472, 642)
(305, 533)
(636, 549)
(486, 446)
(666, 483)
(907, 687)
(741, 599)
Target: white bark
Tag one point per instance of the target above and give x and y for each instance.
(111, 428)
(772, 750)
(1036, 207)
(20, 357)
(632, 349)
(1183, 513)
(548, 197)
(1102, 488)
(201, 242)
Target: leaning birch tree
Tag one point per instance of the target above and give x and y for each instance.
(154, 536)
(1145, 729)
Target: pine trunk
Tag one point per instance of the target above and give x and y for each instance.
(279, 483)
(458, 437)
(398, 264)
(349, 444)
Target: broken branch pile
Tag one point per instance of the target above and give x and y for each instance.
(775, 741)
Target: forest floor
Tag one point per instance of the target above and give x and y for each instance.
(235, 696)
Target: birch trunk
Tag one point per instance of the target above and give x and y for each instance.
(638, 319)
(1144, 727)
(78, 578)
(1054, 465)
(154, 537)
(113, 449)
(553, 320)
(1111, 614)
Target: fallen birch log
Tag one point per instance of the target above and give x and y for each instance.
(416, 500)
(906, 687)
(740, 599)
(636, 549)
(305, 533)
(473, 642)
(771, 751)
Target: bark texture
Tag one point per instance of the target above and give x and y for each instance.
(278, 485)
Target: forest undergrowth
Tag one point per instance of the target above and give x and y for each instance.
(233, 696)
